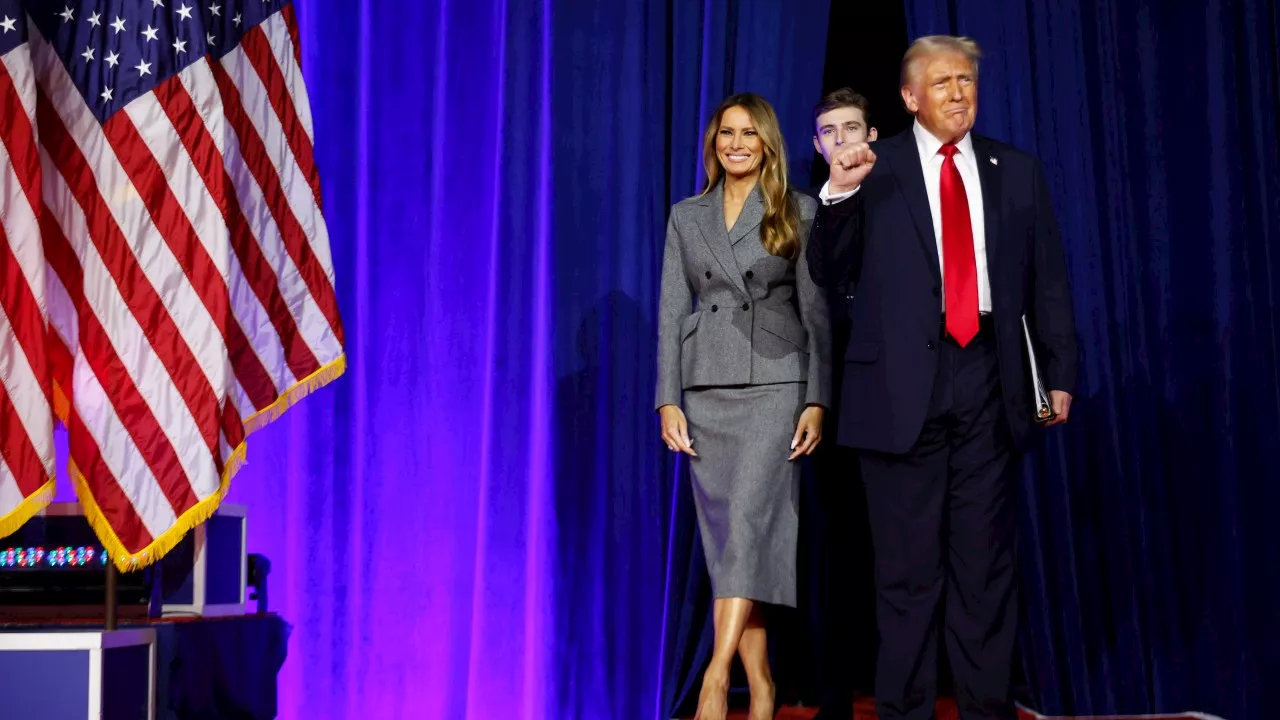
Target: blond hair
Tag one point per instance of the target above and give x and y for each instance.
(930, 44)
(778, 228)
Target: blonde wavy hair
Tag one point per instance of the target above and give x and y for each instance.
(778, 227)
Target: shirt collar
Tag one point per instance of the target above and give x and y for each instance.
(928, 145)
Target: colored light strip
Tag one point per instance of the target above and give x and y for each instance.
(66, 556)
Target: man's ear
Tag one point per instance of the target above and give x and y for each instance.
(872, 135)
(909, 100)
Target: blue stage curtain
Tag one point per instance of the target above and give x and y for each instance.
(1149, 555)
(476, 521)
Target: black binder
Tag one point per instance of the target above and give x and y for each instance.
(1041, 407)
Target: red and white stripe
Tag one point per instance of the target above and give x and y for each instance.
(191, 288)
(26, 393)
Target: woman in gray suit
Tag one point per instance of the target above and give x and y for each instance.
(743, 335)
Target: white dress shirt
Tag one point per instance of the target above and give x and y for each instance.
(931, 164)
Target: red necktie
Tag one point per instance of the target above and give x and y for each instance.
(960, 271)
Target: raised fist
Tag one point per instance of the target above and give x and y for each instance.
(850, 166)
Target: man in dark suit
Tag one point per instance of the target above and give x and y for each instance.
(950, 240)
(840, 614)
(841, 119)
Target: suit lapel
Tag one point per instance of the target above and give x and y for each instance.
(906, 164)
(989, 174)
(750, 217)
(711, 223)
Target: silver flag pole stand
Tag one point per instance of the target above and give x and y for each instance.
(112, 575)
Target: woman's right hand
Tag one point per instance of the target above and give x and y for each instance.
(675, 430)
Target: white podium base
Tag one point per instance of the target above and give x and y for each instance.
(78, 674)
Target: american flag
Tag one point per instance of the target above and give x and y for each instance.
(167, 281)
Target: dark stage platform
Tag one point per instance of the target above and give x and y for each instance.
(206, 668)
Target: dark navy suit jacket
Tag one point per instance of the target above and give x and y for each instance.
(882, 242)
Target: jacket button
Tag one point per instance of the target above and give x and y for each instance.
(930, 345)
(715, 308)
(750, 274)
(709, 276)
(746, 306)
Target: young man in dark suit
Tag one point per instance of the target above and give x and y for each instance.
(949, 239)
(841, 119)
(840, 631)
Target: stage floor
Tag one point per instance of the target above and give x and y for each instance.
(864, 709)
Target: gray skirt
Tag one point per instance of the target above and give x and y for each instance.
(745, 491)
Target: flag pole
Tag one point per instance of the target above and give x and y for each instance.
(111, 596)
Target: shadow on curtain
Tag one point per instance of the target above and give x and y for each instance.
(1149, 553)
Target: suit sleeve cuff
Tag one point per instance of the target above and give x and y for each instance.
(818, 395)
(829, 199)
(667, 397)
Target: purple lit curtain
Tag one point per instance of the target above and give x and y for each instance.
(476, 521)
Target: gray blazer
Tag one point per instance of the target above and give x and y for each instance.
(731, 313)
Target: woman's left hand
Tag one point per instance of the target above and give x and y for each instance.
(808, 432)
